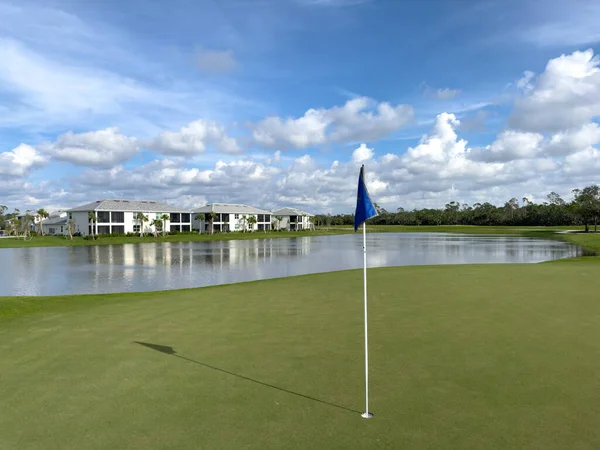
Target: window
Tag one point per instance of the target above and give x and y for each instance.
(70, 216)
(117, 217)
(237, 226)
(261, 227)
(224, 217)
(103, 229)
(237, 216)
(175, 228)
(261, 218)
(185, 218)
(185, 228)
(175, 217)
(118, 229)
(268, 218)
(103, 217)
(51, 231)
(217, 227)
(136, 228)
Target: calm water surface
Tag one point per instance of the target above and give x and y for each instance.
(150, 267)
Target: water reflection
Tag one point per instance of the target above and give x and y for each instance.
(146, 267)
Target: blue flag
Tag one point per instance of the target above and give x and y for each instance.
(364, 208)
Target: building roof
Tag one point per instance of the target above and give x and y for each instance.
(55, 221)
(228, 208)
(129, 205)
(290, 212)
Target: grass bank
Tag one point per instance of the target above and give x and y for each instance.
(61, 241)
(462, 357)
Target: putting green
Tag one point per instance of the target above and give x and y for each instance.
(462, 357)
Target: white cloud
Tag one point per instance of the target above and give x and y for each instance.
(103, 148)
(356, 120)
(549, 150)
(20, 161)
(446, 93)
(565, 95)
(510, 145)
(215, 61)
(573, 140)
(193, 139)
(73, 84)
(583, 162)
(362, 153)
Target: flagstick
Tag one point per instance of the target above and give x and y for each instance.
(367, 414)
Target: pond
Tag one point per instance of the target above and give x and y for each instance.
(165, 265)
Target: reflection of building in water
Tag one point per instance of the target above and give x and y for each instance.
(236, 252)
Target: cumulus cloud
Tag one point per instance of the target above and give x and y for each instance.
(565, 95)
(193, 139)
(573, 140)
(103, 148)
(215, 61)
(510, 145)
(359, 119)
(362, 153)
(20, 161)
(548, 150)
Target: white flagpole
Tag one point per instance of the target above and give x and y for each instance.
(366, 414)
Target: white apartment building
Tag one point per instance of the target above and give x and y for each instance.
(119, 216)
(292, 219)
(230, 217)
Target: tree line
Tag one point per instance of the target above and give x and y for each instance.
(583, 209)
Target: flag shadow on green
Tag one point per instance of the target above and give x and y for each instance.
(168, 350)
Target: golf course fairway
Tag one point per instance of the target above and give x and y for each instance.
(461, 357)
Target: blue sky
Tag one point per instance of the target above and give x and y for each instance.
(277, 102)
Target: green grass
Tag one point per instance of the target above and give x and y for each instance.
(61, 241)
(462, 357)
(462, 229)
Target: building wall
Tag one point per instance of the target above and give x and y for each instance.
(233, 224)
(55, 229)
(285, 223)
(112, 225)
(81, 222)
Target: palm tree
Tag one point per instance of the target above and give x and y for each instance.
(93, 219)
(313, 221)
(156, 223)
(26, 224)
(252, 221)
(212, 216)
(243, 222)
(201, 218)
(41, 214)
(278, 222)
(164, 219)
(71, 229)
(141, 218)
